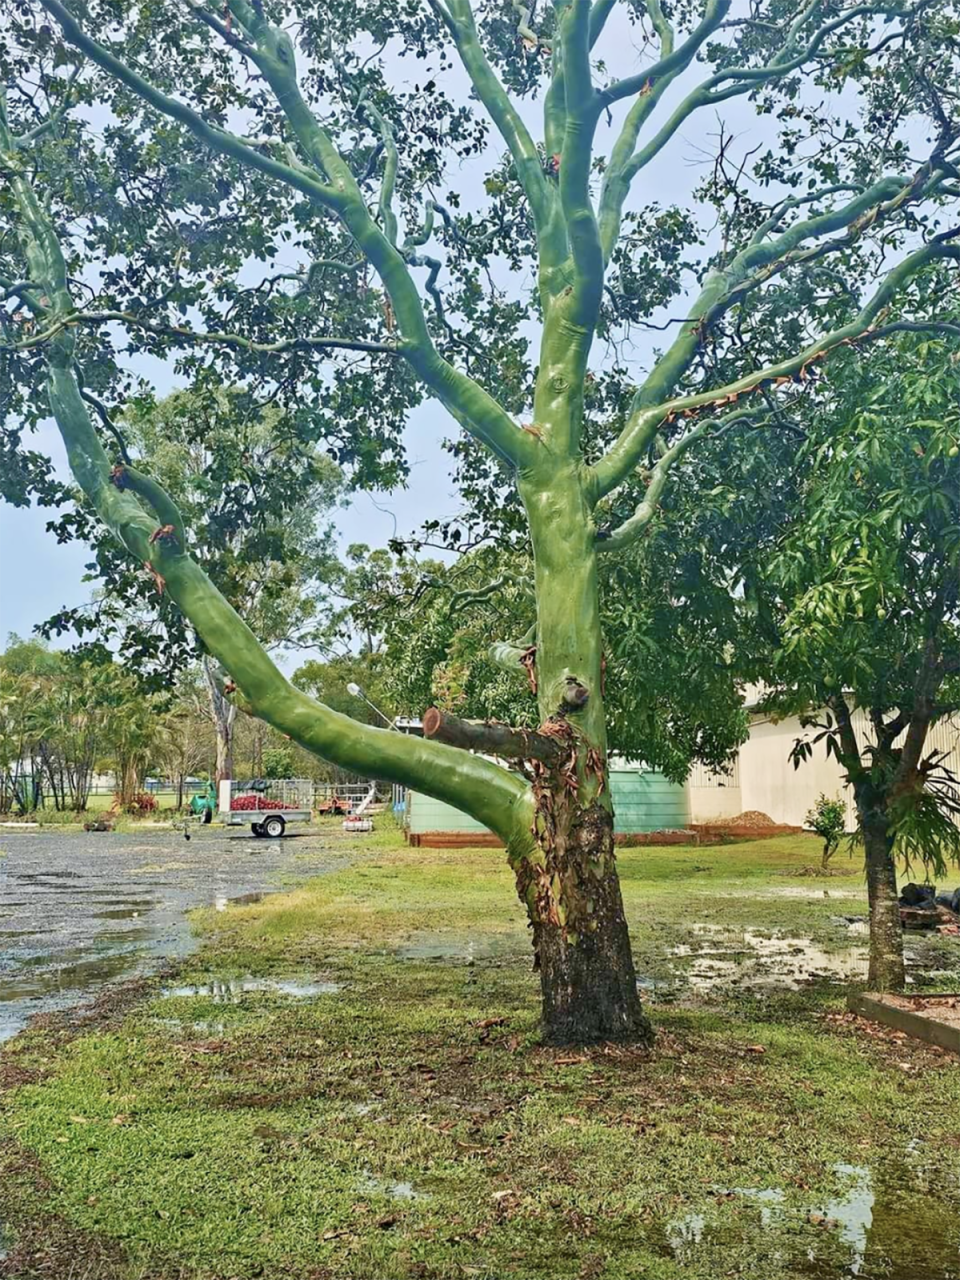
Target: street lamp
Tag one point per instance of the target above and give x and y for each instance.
(357, 692)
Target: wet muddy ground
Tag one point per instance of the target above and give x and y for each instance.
(81, 909)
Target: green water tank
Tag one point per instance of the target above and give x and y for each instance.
(644, 800)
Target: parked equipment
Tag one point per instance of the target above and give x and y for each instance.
(267, 804)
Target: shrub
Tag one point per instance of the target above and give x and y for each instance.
(828, 818)
(142, 803)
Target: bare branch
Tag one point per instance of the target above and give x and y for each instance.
(187, 335)
(490, 737)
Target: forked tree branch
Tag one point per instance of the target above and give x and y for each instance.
(631, 529)
(472, 406)
(763, 258)
(497, 798)
(728, 83)
(644, 422)
(457, 16)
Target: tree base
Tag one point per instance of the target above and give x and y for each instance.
(588, 981)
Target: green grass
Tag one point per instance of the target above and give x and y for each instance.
(268, 1137)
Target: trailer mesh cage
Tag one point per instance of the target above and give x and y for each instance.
(270, 795)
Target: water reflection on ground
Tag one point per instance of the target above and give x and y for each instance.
(878, 1225)
(81, 909)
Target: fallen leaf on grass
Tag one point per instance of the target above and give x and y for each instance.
(756, 1048)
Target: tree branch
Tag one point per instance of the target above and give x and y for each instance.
(582, 112)
(219, 139)
(644, 422)
(489, 737)
(655, 82)
(184, 334)
(728, 83)
(628, 532)
(469, 403)
(492, 795)
(458, 18)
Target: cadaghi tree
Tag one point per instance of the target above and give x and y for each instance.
(397, 293)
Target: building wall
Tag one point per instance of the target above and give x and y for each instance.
(769, 782)
(713, 797)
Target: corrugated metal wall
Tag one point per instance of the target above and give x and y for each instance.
(770, 783)
(643, 800)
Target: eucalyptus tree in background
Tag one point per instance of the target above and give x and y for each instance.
(256, 500)
(390, 280)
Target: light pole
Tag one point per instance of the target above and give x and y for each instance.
(357, 692)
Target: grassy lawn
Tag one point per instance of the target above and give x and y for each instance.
(404, 1122)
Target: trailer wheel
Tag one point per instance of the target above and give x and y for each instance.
(256, 828)
(273, 826)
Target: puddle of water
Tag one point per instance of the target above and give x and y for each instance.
(222, 901)
(181, 1025)
(231, 990)
(121, 913)
(63, 978)
(152, 868)
(451, 946)
(754, 959)
(384, 1186)
(886, 1229)
(795, 891)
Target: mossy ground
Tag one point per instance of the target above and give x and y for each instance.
(409, 1125)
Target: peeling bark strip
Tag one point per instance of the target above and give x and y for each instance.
(492, 738)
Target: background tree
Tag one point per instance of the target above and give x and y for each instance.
(828, 820)
(867, 575)
(853, 213)
(187, 746)
(838, 543)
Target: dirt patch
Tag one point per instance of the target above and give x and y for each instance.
(753, 818)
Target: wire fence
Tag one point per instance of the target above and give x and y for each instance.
(322, 796)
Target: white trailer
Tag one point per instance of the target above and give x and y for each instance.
(267, 804)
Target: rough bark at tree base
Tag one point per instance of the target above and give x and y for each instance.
(589, 988)
(587, 978)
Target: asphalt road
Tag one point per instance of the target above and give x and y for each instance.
(81, 909)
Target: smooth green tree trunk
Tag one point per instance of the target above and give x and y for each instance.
(570, 883)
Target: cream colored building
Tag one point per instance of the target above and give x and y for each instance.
(763, 777)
